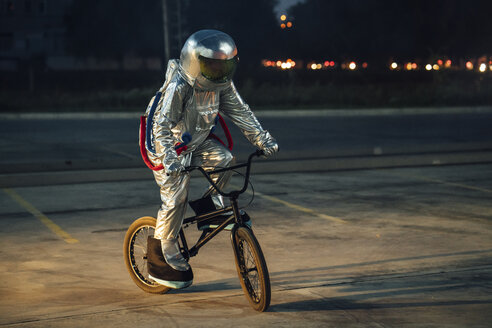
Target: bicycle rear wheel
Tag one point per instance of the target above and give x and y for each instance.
(252, 269)
(135, 254)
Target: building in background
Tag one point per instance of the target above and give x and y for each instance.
(33, 35)
(31, 31)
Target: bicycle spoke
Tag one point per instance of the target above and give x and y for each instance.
(139, 261)
(249, 271)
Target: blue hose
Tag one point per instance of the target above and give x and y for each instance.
(150, 121)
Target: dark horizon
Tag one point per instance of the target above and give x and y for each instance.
(375, 31)
(59, 47)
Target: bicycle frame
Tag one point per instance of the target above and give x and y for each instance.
(233, 196)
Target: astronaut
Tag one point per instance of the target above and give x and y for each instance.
(197, 88)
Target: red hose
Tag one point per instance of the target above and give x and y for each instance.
(227, 133)
(143, 151)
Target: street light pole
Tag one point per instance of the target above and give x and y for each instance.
(178, 9)
(165, 26)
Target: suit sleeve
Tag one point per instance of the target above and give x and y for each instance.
(233, 106)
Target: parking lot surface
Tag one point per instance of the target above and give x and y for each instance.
(401, 247)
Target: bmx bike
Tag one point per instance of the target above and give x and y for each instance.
(250, 262)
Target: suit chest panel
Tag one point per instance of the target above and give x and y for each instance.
(204, 105)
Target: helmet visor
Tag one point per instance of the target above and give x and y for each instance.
(218, 70)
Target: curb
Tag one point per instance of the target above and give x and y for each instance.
(264, 113)
(260, 167)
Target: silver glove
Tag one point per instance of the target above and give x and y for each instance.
(270, 148)
(174, 168)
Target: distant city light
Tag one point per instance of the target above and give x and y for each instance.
(315, 66)
(283, 17)
(479, 65)
(288, 64)
(412, 66)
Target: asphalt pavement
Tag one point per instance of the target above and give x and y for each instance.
(78, 147)
(404, 247)
(370, 218)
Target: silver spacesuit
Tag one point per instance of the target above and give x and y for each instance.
(197, 87)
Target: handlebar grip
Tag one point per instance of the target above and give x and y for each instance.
(186, 169)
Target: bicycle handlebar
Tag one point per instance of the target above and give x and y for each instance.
(233, 193)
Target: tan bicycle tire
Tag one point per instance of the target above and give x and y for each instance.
(138, 270)
(259, 297)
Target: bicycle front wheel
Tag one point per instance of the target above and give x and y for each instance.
(252, 269)
(135, 254)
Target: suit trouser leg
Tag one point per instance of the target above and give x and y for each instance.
(174, 196)
(213, 155)
(174, 189)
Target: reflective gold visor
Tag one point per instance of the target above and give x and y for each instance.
(218, 70)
